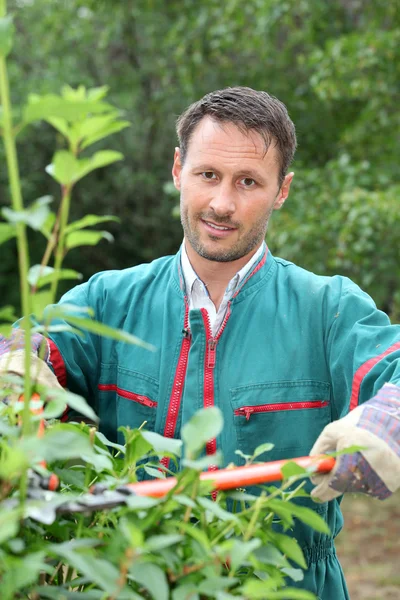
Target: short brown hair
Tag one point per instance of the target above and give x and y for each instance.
(249, 110)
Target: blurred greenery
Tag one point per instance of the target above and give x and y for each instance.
(336, 65)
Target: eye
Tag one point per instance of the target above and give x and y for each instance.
(247, 182)
(210, 175)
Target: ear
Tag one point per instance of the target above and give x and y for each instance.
(284, 191)
(177, 169)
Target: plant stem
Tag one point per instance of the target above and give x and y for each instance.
(17, 204)
(49, 248)
(257, 507)
(65, 206)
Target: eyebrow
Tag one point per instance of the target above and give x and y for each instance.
(242, 173)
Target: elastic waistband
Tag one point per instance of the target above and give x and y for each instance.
(313, 554)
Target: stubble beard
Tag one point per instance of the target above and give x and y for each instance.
(242, 247)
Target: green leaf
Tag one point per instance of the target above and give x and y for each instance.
(212, 585)
(158, 542)
(270, 555)
(6, 35)
(86, 238)
(203, 463)
(61, 275)
(292, 469)
(290, 547)
(136, 445)
(67, 169)
(194, 532)
(48, 106)
(7, 314)
(107, 442)
(89, 221)
(295, 574)
(37, 271)
(25, 571)
(256, 590)
(54, 407)
(6, 330)
(7, 231)
(141, 502)
(98, 160)
(35, 215)
(60, 311)
(267, 447)
(187, 591)
(163, 444)
(99, 127)
(47, 227)
(305, 514)
(216, 510)
(205, 425)
(99, 571)
(9, 524)
(60, 124)
(64, 168)
(40, 300)
(104, 330)
(62, 442)
(152, 577)
(240, 550)
(154, 472)
(77, 403)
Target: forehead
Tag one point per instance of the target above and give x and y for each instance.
(224, 140)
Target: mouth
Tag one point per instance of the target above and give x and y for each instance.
(218, 227)
(217, 231)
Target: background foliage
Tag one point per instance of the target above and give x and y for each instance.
(335, 65)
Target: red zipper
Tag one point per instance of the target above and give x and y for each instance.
(179, 382)
(209, 364)
(111, 387)
(247, 411)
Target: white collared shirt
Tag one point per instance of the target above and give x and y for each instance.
(198, 295)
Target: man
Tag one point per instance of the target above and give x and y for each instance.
(282, 352)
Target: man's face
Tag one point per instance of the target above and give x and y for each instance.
(229, 187)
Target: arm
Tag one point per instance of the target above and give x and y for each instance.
(70, 358)
(364, 357)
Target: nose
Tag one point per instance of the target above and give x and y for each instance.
(223, 202)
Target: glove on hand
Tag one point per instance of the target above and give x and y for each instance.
(14, 362)
(375, 470)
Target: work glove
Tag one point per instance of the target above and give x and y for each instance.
(374, 470)
(13, 363)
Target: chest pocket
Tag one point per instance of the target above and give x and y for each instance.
(288, 414)
(126, 398)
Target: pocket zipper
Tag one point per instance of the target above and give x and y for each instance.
(247, 411)
(144, 400)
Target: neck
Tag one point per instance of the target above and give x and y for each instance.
(216, 275)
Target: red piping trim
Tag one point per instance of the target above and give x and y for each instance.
(254, 271)
(364, 370)
(209, 364)
(210, 357)
(179, 383)
(247, 411)
(111, 387)
(57, 363)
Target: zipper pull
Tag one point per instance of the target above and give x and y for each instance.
(186, 332)
(212, 351)
(245, 411)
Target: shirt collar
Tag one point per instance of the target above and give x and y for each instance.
(190, 276)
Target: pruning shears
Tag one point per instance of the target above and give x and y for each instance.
(102, 498)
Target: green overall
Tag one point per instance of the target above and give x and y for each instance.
(295, 352)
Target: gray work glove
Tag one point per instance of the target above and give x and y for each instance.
(13, 362)
(375, 470)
